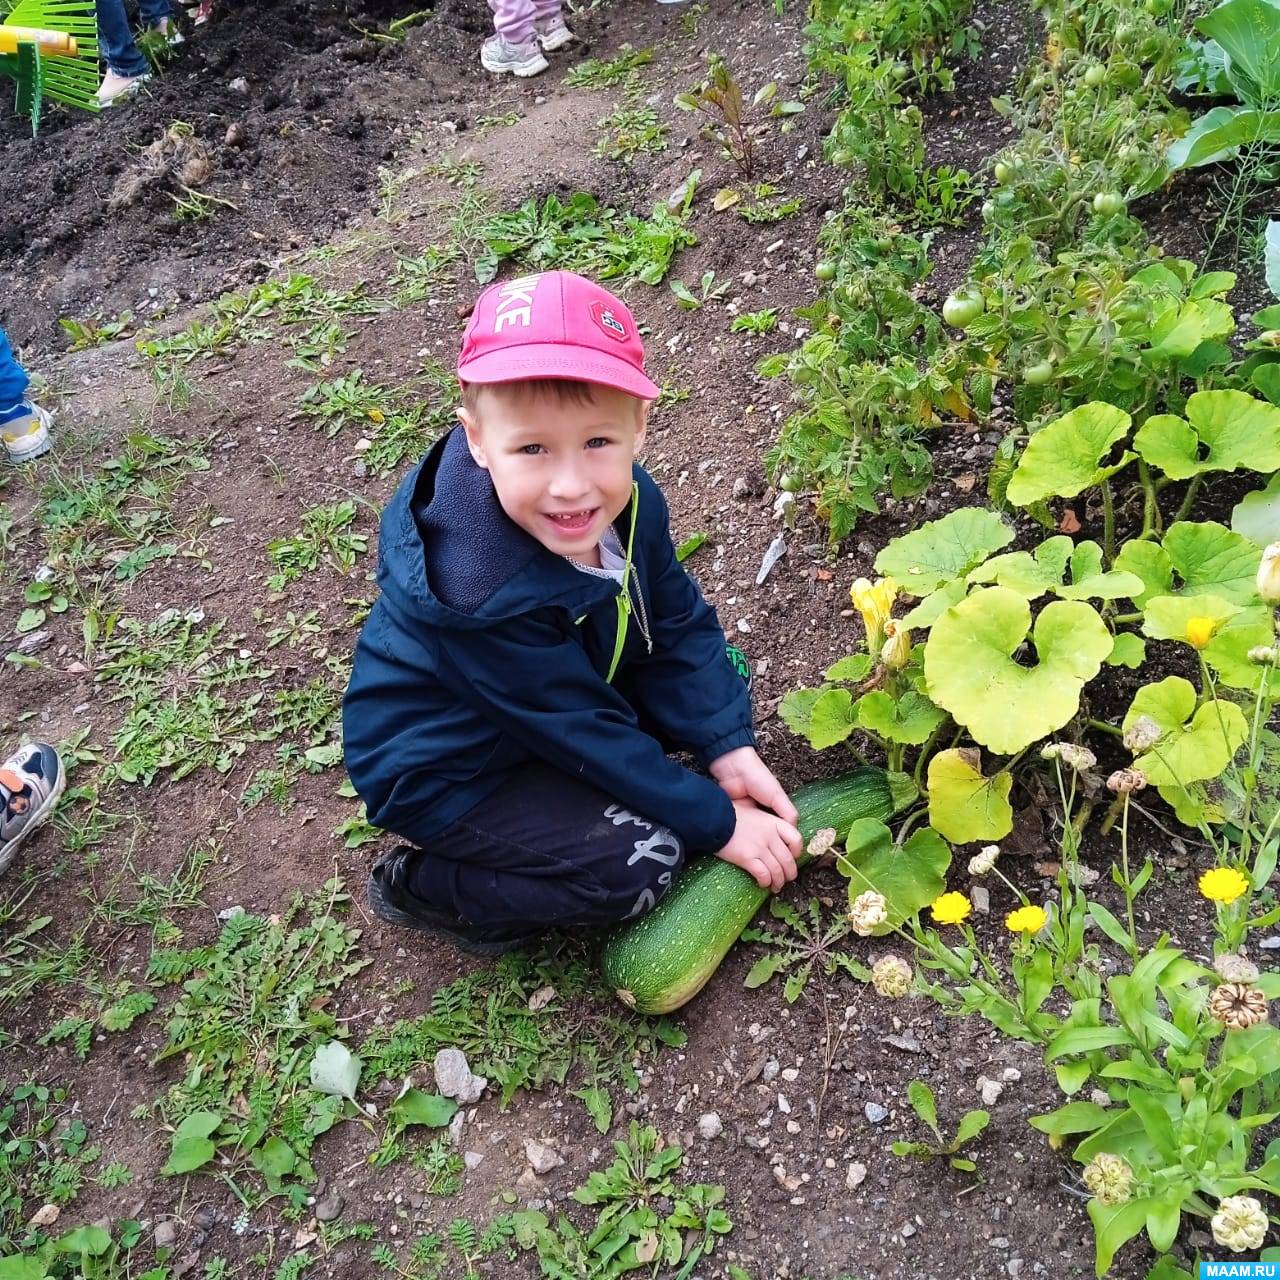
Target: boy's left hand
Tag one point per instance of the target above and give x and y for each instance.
(744, 776)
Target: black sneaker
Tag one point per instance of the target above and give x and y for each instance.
(390, 901)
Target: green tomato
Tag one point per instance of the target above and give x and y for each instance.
(843, 158)
(1002, 172)
(988, 210)
(899, 72)
(961, 309)
(825, 270)
(1036, 375)
(789, 482)
(1108, 204)
(1096, 74)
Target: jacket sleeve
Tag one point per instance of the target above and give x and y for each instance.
(686, 685)
(534, 681)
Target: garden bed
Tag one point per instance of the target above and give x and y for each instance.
(259, 441)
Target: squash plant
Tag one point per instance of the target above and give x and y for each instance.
(997, 650)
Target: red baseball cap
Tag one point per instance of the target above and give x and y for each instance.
(554, 325)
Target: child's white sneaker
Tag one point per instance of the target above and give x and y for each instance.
(24, 428)
(115, 87)
(500, 56)
(553, 33)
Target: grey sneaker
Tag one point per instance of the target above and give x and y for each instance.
(499, 56)
(553, 33)
(31, 780)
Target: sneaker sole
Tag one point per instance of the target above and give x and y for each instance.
(18, 456)
(37, 819)
(551, 43)
(523, 70)
(385, 911)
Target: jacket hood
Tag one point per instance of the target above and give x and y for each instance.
(448, 552)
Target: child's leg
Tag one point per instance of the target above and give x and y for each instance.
(13, 377)
(545, 11)
(513, 19)
(119, 50)
(545, 850)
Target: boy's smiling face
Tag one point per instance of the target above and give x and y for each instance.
(560, 464)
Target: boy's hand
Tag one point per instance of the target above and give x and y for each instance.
(744, 776)
(762, 846)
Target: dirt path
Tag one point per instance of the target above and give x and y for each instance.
(340, 171)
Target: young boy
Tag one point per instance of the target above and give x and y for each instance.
(537, 648)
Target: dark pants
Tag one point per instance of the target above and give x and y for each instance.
(115, 39)
(13, 378)
(546, 849)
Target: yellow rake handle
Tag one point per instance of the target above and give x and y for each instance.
(55, 44)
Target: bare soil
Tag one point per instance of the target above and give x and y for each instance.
(323, 110)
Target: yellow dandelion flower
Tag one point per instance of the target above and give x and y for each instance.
(951, 908)
(1029, 919)
(1223, 884)
(376, 415)
(1200, 631)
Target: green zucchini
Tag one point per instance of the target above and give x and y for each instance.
(663, 959)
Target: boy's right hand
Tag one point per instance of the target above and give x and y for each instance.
(763, 845)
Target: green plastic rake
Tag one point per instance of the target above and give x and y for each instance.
(50, 49)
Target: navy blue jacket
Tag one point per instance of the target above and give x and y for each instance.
(486, 650)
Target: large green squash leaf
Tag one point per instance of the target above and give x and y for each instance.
(1166, 617)
(1195, 742)
(963, 805)
(922, 560)
(1257, 515)
(910, 875)
(910, 718)
(1223, 431)
(971, 672)
(1228, 651)
(1195, 558)
(1034, 573)
(1065, 456)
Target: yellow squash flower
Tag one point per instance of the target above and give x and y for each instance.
(897, 646)
(1223, 884)
(951, 908)
(1200, 631)
(874, 600)
(1030, 919)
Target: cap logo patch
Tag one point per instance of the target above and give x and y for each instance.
(603, 315)
(515, 303)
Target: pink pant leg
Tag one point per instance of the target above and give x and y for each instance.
(513, 19)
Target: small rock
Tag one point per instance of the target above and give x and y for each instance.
(34, 641)
(45, 1216)
(856, 1175)
(454, 1078)
(907, 1230)
(710, 1125)
(165, 1234)
(235, 135)
(472, 1158)
(875, 1112)
(329, 1206)
(908, 1044)
(239, 85)
(770, 1070)
(1011, 1075)
(744, 626)
(742, 488)
(1270, 944)
(981, 897)
(542, 1156)
(990, 1090)
(455, 1127)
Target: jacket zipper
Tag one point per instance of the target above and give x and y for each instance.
(641, 616)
